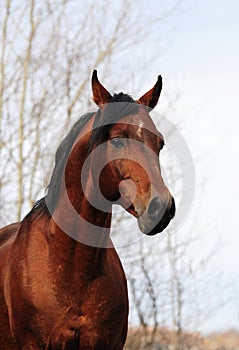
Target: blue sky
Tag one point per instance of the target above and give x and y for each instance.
(204, 55)
(205, 37)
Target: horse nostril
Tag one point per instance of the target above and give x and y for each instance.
(172, 209)
(154, 208)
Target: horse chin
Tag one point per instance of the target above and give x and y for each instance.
(151, 229)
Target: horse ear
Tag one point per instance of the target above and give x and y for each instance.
(100, 94)
(150, 99)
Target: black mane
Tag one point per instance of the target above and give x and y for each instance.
(61, 157)
(120, 106)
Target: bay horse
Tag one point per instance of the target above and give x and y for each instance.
(62, 284)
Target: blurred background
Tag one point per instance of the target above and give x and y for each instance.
(183, 284)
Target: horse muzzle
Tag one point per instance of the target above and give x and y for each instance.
(157, 216)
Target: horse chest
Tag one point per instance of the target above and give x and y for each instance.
(97, 322)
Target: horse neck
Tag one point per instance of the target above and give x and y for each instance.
(80, 230)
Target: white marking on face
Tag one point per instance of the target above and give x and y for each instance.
(139, 131)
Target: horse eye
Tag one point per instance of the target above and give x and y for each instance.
(117, 142)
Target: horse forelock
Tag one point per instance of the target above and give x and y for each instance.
(118, 107)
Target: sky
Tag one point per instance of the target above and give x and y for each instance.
(204, 56)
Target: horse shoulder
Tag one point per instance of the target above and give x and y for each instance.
(7, 237)
(9, 232)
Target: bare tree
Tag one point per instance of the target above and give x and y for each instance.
(48, 52)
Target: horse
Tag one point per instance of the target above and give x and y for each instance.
(62, 283)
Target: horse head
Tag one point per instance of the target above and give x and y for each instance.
(126, 145)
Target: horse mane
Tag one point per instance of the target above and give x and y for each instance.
(41, 206)
(120, 105)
